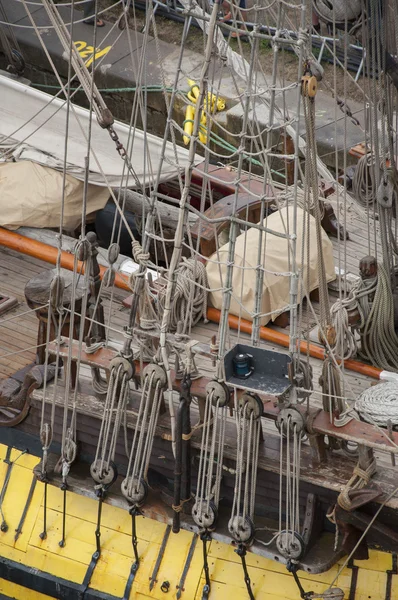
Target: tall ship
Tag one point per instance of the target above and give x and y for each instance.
(198, 300)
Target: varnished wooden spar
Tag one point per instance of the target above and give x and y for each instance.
(20, 243)
(355, 431)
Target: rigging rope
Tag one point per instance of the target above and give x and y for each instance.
(248, 411)
(103, 469)
(379, 342)
(134, 486)
(189, 303)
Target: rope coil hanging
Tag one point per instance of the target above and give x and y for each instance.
(364, 184)
(190, 294)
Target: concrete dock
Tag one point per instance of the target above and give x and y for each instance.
(119, 58)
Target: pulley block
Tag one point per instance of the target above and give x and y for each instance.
(290, 419)
(113, 253)
(82, 249)
(156, 374)
(46, 434)
(126, 367)
(135, 491)
(290, 545)
(219, 391)
(103, 474)
(385, 194)
(250, 404)
(204, 514)
(309, 86)
(242, 529)
(57, 288)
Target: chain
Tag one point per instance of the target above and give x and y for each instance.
(101, 495)
(241, 551)
(121, 150)
(205, 537)
(134, 512)
(292, 567)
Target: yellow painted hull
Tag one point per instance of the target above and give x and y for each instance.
(269, 579)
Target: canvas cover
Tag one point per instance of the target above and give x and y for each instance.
(31, 195)
(275, 295)
(33, 124)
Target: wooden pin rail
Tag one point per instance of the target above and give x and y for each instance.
(355, 431)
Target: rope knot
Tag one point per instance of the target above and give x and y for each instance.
(365, 475)
(140, 256)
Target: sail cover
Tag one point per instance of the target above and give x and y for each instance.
(276, 260)
(33, 125)
(31, 195)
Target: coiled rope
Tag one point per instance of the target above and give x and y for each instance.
(364, 181)
(379, 404)
(378, 337)
(345, 345)
(190, 296)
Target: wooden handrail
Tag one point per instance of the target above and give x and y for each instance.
(20, 243)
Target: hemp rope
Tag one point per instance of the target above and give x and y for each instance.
(379, 404)
(190, 294)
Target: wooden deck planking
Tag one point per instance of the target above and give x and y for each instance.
(20, 333)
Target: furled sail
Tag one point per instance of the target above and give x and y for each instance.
(32, 125)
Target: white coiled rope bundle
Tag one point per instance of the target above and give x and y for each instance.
(379, 404)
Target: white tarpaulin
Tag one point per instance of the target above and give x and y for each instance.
(38, 121)
(275, 295)
(31, 195)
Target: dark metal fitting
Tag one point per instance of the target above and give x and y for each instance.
(106, 119)
(205, 536)
(165, 587)
(240, 550)
(291, 566)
